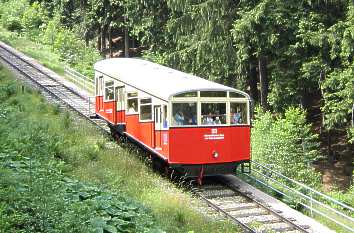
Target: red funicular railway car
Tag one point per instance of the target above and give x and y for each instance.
(193, 125)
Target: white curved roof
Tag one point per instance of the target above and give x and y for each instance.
(155, 79)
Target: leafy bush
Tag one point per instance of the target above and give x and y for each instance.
(286, 144)
(11, 13)
(71, 48)
(32, 22)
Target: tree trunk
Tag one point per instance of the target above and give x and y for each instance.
(87, 39)
(103, 38)
(252, 81)
(126, 39)
(110, 41)
(329, 147)
(263, 79)
(99, 40)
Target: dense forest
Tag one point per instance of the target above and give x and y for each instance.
(294, 58)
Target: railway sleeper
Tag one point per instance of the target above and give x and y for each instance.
(277, 227)
(218, 193)
(248, 212)
(229, 200)
(238, 206)
(260, 219)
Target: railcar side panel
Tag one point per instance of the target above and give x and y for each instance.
(241, 142)
(161, 142)
(106, 109)
(120, 117)
(98, 104)
(142, 131)
(209, 145)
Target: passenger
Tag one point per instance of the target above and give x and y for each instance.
(165, 124)
(192, 120)
(209, 119)
(179, 118)
(235, 117)
(217, 121)
(132, 108)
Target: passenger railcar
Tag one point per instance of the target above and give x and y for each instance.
(193, 125)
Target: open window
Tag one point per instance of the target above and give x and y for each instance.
(132, 102)
(213, 113)
(184, 114)
(145, 109)
(238, 113)
(109, 90)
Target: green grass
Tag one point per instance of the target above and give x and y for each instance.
(42, 53)
(71, 148)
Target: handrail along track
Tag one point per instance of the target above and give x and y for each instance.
(63, 95)
(227, 201)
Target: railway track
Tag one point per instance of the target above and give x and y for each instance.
(53, 89)
(241, 207)
(226, 199)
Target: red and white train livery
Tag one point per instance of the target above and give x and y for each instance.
(193, 125)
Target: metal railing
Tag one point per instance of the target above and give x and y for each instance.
(313, 201)
(79, 79)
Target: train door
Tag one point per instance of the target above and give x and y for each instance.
(119, 94)
(161, 126)
(158, 126)
(100, 92)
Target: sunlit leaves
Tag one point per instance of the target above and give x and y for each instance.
(286, 144)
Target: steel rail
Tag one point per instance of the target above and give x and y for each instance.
(246, 227)
(218, 209)
(298, 227)
(58, 96)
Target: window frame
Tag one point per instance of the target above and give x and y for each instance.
(214, 102)
(143, 105)
(130, 98)
(170, 111)
(105, 90)
(199, 100)
(247, 112)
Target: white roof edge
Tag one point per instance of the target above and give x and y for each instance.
(155, 79)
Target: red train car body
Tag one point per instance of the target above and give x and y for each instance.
(193, 125)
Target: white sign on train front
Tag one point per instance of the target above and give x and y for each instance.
(214, 135)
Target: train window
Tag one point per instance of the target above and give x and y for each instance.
(109, 90)
(236, 95)
(164, 117)
(238, 113)
(184, 114)
(213, 113)
(213, 94)
(188, 94)
(145, 109)
(132, 102)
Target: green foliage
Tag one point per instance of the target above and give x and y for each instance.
(339, 95)
(11, 13)
(71, 48)
(35, 195)
(32, 21)
(286, 144)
